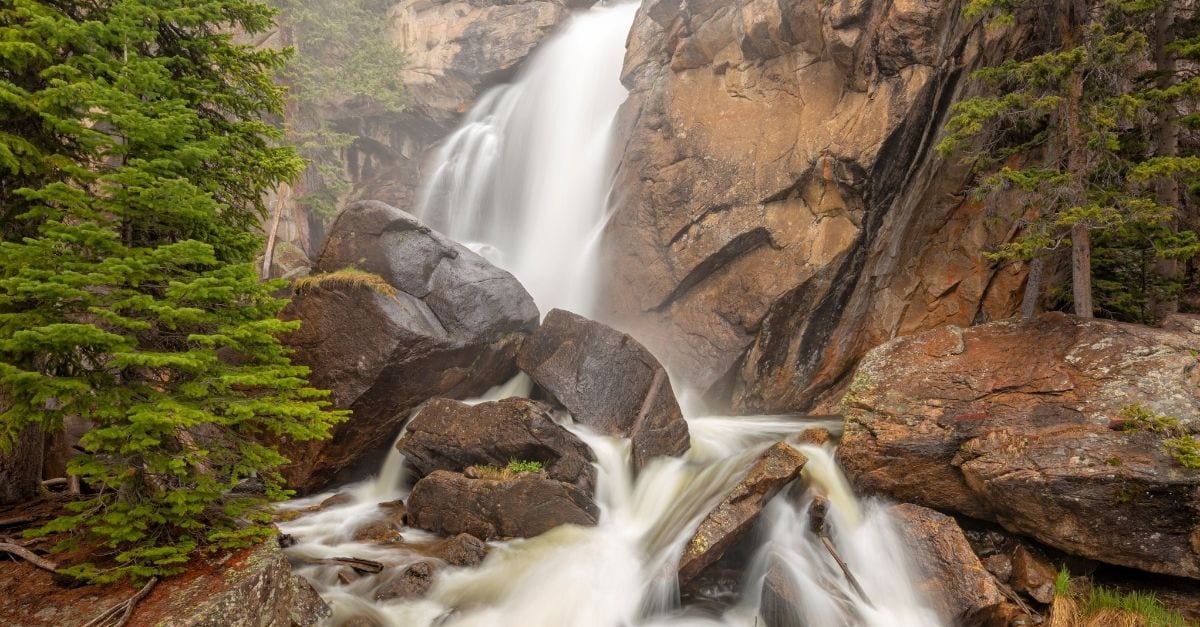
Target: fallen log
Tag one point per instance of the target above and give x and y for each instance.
(27, 555)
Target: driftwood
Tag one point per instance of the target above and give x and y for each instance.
(50, 483)
(368, 567)
(816, 515)
(15, 520)
(28, 556)
(123, 611)
(1012, 595)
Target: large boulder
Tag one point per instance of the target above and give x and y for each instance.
(520, 507)
(735, 514)
(1056, 428)
(948, 572)
(608, 381)
(393, 315)
(450, 435)
(782, 209)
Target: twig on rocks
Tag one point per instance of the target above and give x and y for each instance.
(122, 611)
(27, 555)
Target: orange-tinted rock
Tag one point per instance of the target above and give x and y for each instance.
(781, 209)
(949, 574)
(1012, 422)
(736, 513)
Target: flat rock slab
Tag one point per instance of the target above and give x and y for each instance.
(1025, 424)
(450, 435)
(948, 572)
(449, 503)
(608, 381)
(736, 513)
(451, 327)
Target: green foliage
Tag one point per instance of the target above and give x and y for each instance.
(1102, 173)
(1085, 603)
(134, 160)
(524, 466)
(344, 54)
(1185, 449)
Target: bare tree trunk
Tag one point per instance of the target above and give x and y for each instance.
(1033, 288)
(1167, 190)
(1081, 240)
(21, 467)
(269, 253)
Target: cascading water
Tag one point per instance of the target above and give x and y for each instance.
(524, 182)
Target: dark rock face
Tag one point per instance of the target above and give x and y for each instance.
(782, 210)
(21, 468)
(452, 328)
(449, 435)
(608, 381)
(737, 512)
(950, 574)
(528, 505)
(1022, 424)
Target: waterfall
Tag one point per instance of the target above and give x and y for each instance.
(524, 181)
(525, 178)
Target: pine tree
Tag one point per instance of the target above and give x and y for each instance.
(134, 159)
(1077, 121)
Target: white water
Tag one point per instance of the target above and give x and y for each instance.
(524, 181)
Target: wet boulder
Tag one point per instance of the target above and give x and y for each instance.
(394, 314)
(736, 513)
(947, 571)
(450, 435)
(1057, 428)
(411, 583)
(608, 381)
(523, 506)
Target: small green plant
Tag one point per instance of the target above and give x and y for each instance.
(348, 277)
(1185, 449)
(1080, 602)
(1138, 417)
(522, 466)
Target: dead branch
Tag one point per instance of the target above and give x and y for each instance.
(27, 555)
(122, 611)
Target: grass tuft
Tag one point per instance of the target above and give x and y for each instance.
(348, 277)
(1079, 603)
(514, 469)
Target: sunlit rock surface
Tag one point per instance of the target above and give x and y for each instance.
(779, 208)
(1028, 424)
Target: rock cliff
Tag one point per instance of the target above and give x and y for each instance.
(779, 207)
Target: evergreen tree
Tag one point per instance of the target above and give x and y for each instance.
(1080, 123)
(134, 159)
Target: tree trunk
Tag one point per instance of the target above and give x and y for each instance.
(21, 467)
(1077, 167)
(1167, 191)
(1033, 288)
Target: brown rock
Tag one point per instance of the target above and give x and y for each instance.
(780, 603)
(411, 583)
(608, 381)
(1000, 565)
(782, 210)
(950, 575)
(736, 513)
(449, 435)
(451, 328)
(814, 437)
(1009, 422)
(462, 550)
(377, 532)
(1032, 575)
(529, 505)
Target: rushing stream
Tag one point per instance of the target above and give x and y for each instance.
(525, 182)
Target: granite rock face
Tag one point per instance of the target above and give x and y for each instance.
(608, 381)
(1057, 428)
(445, 322)
(780, 209)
